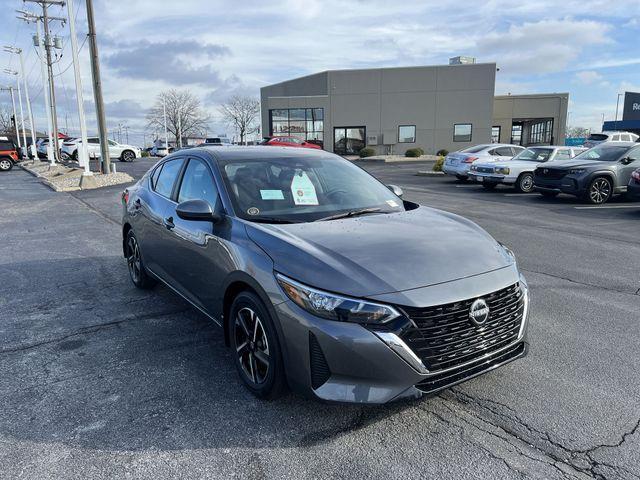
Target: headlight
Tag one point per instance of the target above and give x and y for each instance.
(502, 170)
(508, 253)
(576, 171)
(335, 307)
(474, 168)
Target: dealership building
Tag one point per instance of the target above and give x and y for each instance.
(393, 109)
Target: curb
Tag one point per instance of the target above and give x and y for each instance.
(426, 173)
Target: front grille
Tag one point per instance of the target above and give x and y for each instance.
(485, 169)
(549, 173)
(445, 336)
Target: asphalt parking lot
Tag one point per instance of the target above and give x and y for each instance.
(98, 379)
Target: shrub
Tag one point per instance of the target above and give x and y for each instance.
(437, 167)
(442, 152)
(367, 152)
(144, 153)
(414, 152)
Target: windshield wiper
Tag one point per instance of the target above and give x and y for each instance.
(350, 213)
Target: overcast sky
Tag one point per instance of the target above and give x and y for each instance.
(588, 48)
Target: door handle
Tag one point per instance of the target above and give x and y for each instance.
(168, 222)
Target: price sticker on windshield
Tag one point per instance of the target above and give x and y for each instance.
(302, 189)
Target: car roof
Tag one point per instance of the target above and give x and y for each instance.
(262, 152)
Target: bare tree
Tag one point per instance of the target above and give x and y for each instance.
(6, 126)
(577, 132)
(185, 116)
(241, 113)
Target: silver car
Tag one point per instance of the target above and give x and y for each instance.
(459, 163)
(597, 138)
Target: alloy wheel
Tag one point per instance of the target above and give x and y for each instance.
(134, 262)
(128, 156)
(5, 164)
(600, 191)
(252, 346)
(526, 184)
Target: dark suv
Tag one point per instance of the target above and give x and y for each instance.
(8, 155)
(595, 175)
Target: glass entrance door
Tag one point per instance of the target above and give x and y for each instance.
(349, 140)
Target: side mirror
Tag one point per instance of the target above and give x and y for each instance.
(395, 189)
(626, 161)
(197, 210)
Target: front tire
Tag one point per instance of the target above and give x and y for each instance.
(599, 191)
(256, 349)
(6, 164)
(127, 156)
(137, 272)
(462, 178)
(524, 184)
(489, 185)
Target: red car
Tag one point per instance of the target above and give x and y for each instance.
(289, 142)
(8, 155)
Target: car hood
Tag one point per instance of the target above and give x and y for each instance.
(578, 163)
(381, 253)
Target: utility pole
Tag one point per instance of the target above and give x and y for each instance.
(83, 157)
(97, 91)
(49, 44)
(617, 105)
(18, 51)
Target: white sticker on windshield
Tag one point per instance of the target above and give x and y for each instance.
(302, 189)
(271, 194)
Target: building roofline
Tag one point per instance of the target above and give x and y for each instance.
(379, 68)
(534, 95)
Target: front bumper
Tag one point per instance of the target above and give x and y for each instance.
(566, 184)
(491, 178)
(359, 365)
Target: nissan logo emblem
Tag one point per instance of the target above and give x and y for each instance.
(479, 312)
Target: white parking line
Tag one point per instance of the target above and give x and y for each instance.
(468, 186)
(637, 205)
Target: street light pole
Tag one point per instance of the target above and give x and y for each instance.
(617, 105)
(15, 117)
(47, 106)
(83, 156)
(18, 51)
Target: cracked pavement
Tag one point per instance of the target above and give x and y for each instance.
(99, 380)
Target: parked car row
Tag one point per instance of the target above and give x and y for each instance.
(595, 174)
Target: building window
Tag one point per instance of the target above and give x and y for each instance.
(349, 140)
(516, 134)
(406, 134)
(541, 132)
(462, 132)
(495, 134)
(303, 123)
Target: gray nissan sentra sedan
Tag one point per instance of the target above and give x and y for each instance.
(322, 278)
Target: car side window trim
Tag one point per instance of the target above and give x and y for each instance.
(174, 191)
(178, 185)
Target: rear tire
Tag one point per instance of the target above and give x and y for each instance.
(256, 350)
(489, 185)
(137, 272)
(6, 164)
(600, 191)
(524, 184)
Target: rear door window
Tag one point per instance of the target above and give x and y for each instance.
(563, 154)
(504, 151)
(167, 177)
(4, 145)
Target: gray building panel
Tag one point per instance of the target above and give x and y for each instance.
(433, 98)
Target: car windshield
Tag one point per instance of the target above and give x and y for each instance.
(303, 189)
(603, 153)
(534, 154)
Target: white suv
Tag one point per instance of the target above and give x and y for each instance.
(126, 153)
(519, 170)
(597, 138)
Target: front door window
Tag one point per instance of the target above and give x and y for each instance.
(348, 140)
